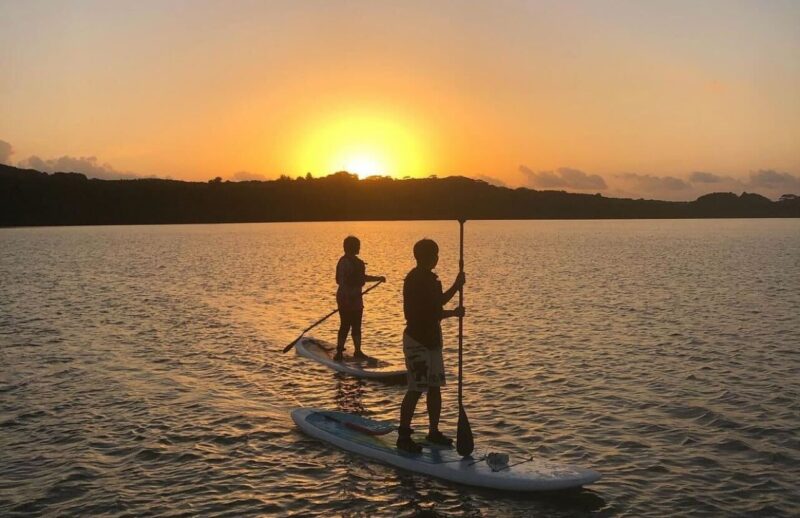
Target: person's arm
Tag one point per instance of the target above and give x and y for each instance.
(458, 312)
(374, 278)
(457, 284)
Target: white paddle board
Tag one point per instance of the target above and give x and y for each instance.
(355, 434)
(323, 352)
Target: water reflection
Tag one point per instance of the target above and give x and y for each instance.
(349, 394)
(426, 498)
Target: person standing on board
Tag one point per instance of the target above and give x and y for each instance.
(423, 302)
(351, 276)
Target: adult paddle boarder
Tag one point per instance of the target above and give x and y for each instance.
(423, 301)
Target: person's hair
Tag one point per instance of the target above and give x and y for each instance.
(425, 249)
(351, 245)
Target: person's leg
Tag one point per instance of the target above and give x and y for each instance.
(434, 401)
(408, 407)
(404, 440)
(357, 316)
(344, 327)
(416, 358)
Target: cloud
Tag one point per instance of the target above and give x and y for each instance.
(648, 183)
(774, 181)
(701, 177)
(563, 178)
(5, 152)
(246, 176)
(769, 183)
(87, 165)
(490, 180)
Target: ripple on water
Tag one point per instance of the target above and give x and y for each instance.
(142, 372)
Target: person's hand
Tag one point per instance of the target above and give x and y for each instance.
(381, 278)
(461, 279)
(459, 311)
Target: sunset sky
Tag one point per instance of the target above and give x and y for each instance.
(661, 99)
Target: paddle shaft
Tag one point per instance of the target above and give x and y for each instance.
(326, 317)
(460, 304)
(465, 443)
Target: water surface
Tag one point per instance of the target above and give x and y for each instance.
(142, 374)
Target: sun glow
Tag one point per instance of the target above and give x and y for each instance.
(365, 144)
(364, 166)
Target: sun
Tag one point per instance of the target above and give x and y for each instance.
(364, 166)
(364, 143)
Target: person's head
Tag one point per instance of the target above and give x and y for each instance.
(426, 252)
(351, 245)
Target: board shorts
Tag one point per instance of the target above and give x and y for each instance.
(425, 366)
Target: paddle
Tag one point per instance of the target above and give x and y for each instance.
(323, 319)
(464, 440)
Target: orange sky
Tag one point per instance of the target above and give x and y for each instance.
(620, 97)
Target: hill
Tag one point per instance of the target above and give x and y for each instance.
(29, 198)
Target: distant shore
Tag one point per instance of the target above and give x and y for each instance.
(33, 198)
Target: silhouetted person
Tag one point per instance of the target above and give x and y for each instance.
(351, 276)
(423, 302)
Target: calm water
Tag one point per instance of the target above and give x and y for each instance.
(141, 373)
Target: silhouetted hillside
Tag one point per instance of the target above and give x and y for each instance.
(29, 197)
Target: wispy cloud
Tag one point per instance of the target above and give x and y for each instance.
(5, 152)
(774, 181)
(491, 180)
(87, 165)
(767, 182)
(563, 178)
(246, 176)
(650, 184)
(703, 177)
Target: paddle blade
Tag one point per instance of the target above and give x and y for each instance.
(464, 440)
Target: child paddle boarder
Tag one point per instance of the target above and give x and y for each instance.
(423, 301)
(351, 276)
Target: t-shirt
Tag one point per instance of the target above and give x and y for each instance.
(350, 276)
(422, 306)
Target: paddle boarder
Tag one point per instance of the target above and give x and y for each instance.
(423, 301)
(351, 276)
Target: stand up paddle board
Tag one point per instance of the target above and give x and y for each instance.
(323, 352)
(376, 440)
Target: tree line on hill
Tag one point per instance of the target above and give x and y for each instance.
(31, 198)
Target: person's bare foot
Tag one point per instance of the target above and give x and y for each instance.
(408, 445)
(438, 437)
